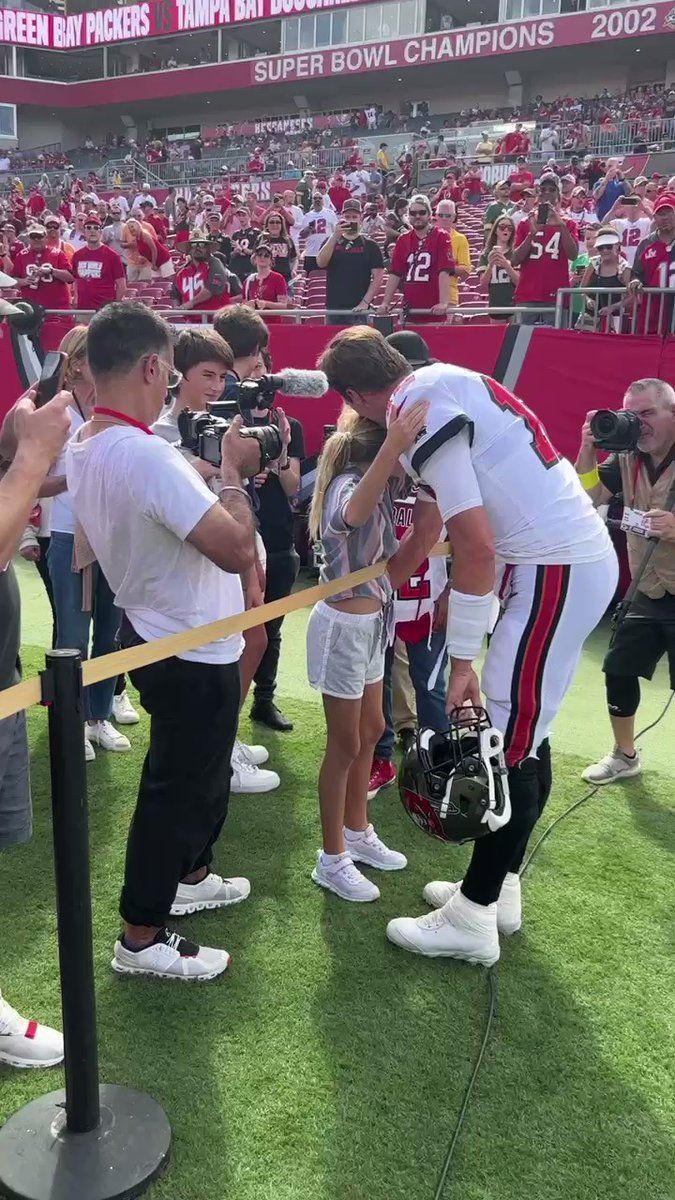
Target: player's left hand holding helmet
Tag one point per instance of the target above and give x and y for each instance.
(454, 784)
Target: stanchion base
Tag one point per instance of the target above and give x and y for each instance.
(41, 1160)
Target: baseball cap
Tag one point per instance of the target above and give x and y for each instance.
(37, 229)
(147, 203)
(92, 219)
(667, 200)
(413, 348)
(198, 238)
(352, 206)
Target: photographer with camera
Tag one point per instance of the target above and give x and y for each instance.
(172, 554)
(640, 468)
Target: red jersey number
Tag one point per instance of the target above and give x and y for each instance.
(541, 443)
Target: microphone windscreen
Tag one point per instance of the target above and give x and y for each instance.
(303, 383)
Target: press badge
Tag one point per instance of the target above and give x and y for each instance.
(635, 521)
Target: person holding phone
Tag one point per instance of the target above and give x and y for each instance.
(545, 246)
(354, 268)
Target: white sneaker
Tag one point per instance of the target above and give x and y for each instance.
(612, 767)
(211, 892)
(103, 734)
(25, 1043)
(509, 906)
(367, 847)
(343, 878)
(89, 752)
(258, 755)
(247, 777)
(123, 710)
(171, 956)
(460, 929)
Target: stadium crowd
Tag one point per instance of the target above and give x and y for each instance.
(353, 240)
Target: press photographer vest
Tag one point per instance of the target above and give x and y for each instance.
(644, 492)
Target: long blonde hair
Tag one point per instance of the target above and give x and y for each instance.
(355, 442)
(74, 345)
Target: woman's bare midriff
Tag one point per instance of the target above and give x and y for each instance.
(358, 604)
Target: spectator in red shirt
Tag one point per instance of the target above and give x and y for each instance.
(266, 290)
(524, 144)
(43, 274)
(12, 245)
(422, 263)
(152, 216)
(36, 203)
(256, 165)
(543, 251)
(520, 178)
(202, 284)
(98, 270)
(338, 192)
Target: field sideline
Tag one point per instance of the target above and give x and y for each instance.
(328, 1064)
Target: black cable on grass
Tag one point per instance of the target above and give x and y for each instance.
(491, 973)
(491, 976)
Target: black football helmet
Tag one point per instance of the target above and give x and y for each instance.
(454, 784)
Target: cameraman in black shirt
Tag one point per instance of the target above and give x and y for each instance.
(354, 268)
(275, 488)
(247, 335)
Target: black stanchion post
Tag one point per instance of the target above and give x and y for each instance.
(73, 889)
(99, 1143)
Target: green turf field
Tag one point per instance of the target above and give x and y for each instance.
(328, 1065)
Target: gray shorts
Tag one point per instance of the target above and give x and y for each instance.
(345, 651)
(16, 824)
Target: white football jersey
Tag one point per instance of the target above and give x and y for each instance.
(483, 446)
(632, 233)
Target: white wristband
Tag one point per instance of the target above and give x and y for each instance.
(469, 620)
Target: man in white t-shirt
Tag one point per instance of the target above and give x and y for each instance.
(172, 554)
(317, 226)
(357, 182)
(520, 525)
(632, 224)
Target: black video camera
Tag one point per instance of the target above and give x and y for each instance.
(203, 432)
(615, 431)
(252, 393)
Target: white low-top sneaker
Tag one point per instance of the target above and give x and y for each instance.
(171, 956)
(103, 734)
(211, 892)
(509, 906)
(367, 847)
(258, 755)
(25, 1043)
(123, 710)
(89, 752)
(343, 878)
(612, 767)
(247, 777)
(460, 929)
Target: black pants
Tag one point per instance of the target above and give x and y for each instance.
(43, 571)
(496, 854)
(185, 782)
(280, 575)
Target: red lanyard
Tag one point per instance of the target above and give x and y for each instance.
(120, 416)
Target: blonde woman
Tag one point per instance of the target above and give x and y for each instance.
(77, 615)
(352, 515)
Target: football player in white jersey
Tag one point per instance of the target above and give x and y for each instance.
(520, 525)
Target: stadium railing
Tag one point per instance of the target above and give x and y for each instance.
(653, 313)
(307, 315)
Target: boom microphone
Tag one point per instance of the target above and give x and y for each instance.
(294, 382)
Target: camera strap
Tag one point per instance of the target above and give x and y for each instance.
(622, 609)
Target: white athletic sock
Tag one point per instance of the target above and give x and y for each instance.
(329, 860)
(352, 835)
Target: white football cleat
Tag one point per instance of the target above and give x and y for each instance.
(509, 909)
(460, 929)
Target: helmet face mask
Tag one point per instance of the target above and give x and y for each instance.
(454, 784)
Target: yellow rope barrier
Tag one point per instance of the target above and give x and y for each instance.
(107, 666)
